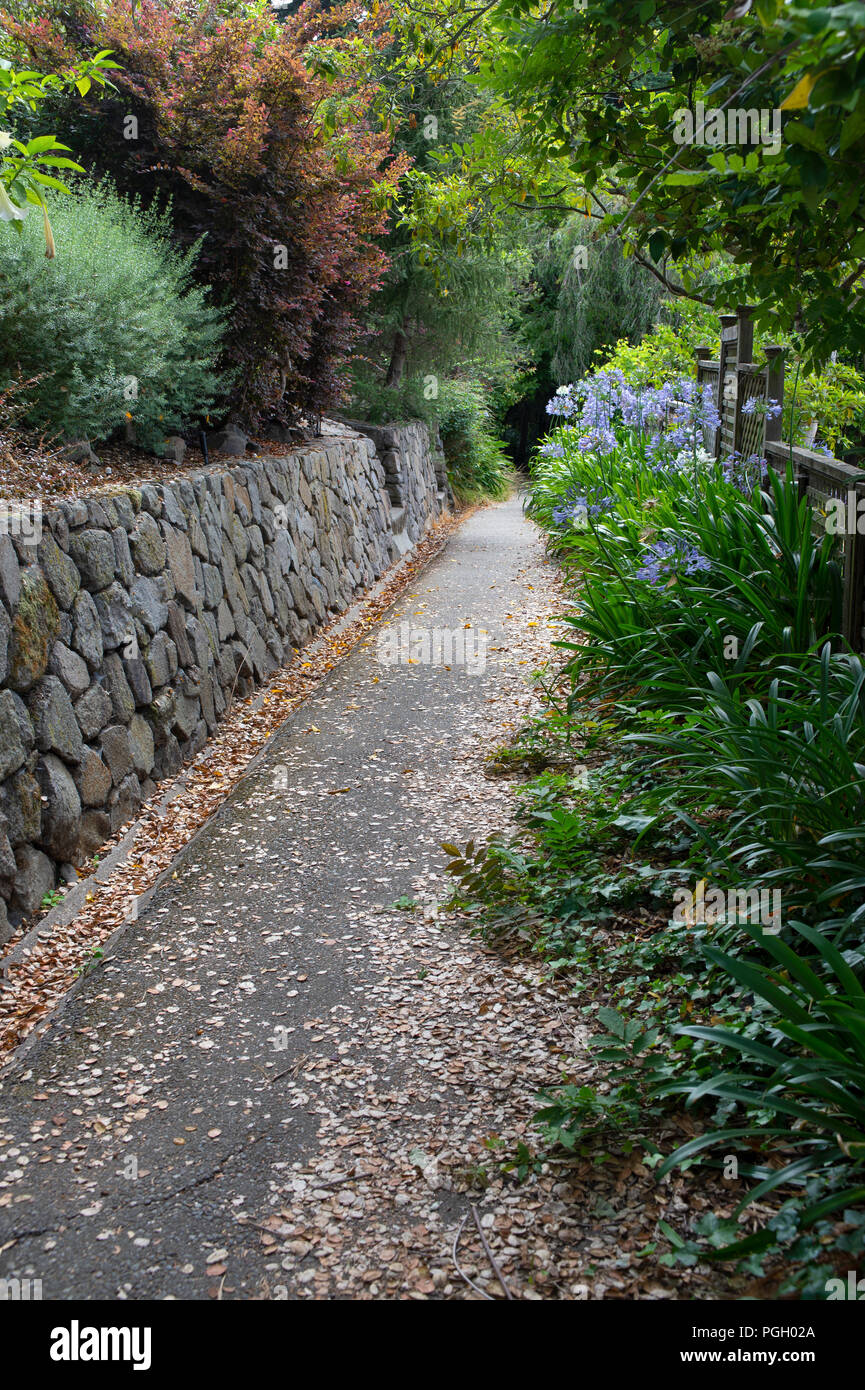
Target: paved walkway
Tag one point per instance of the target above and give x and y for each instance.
(281, 1085)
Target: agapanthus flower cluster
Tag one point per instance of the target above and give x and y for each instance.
(665, 559)
(566, 402)
(745, 473)
(574, 510)
(771, 408)
(552, 449)
(676, 417)
(598, 440)
(690, 416)
(702, 458)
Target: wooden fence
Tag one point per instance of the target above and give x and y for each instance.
(736, 379)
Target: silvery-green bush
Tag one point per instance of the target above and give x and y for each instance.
(113, 324)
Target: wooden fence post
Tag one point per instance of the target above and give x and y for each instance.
(853, 617)
(744, 354)
(703, 353)
(745, 337)
(775, 389)
(773, 429)
(727, 354)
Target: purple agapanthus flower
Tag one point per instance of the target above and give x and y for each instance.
(744, 474)
(575, 510)
(551, 449)
(665, 559)
(674, 419)
(598, 440)
(771, 408)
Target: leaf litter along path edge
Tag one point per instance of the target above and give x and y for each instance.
(45, 959)
(283, 1086)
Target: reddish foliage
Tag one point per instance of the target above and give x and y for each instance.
(227, 127)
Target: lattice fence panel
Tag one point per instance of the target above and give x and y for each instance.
(752, 387)
(707, 375)
(728, 415)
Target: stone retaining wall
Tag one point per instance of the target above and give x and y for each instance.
(414, 473)
(124, 632)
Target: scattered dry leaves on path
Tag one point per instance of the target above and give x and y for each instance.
(31, 987)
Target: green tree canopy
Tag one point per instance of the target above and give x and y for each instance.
(603, 87)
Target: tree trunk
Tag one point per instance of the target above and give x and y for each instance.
(397, 359)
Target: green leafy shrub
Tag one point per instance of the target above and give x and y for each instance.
(833, 397)
(787, 775)
(114, 319)
(660, 355)
(476, 461)
(379, 404)
(284, 171)
(790, 1079)
(477, 464)
(707, 674)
